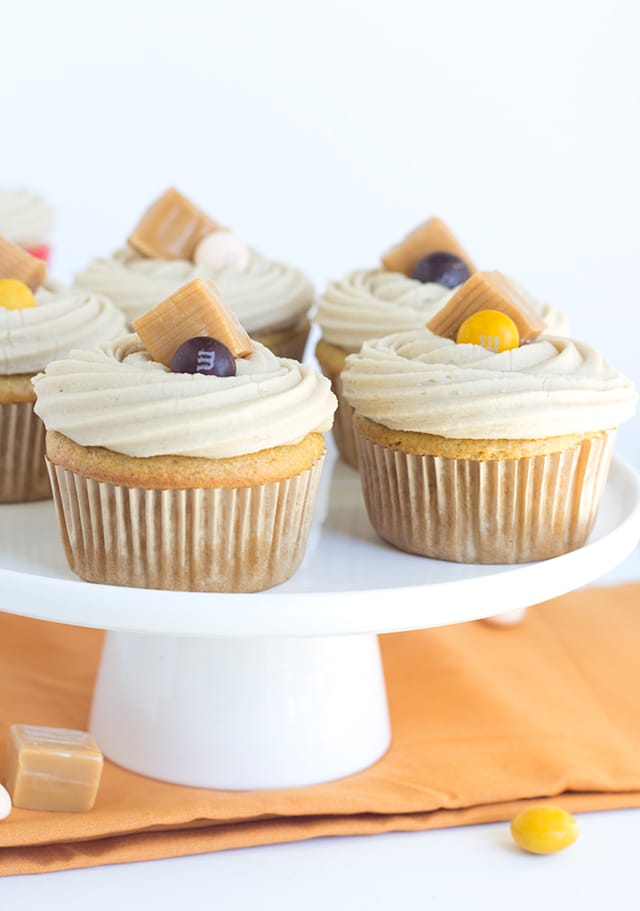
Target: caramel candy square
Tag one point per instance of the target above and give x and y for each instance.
(432, 236)
(171, 228)
(487, 291)
(52, 768)
(17, 263)
(195, 310)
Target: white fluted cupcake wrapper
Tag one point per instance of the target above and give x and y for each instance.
(342, 430)
(287, 344)
(23, 473)
(205, 539)
(503, 511)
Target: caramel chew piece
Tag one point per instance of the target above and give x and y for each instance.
(487, 291)
(171, 228)
(52, 768)
(195, 310)
(432, 236)
(17, 263)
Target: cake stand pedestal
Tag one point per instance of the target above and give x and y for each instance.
(284, 687)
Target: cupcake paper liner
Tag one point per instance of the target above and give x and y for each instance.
(343, 432)
(502, 511)
(205, 539)
(23, 473)
(287, 344)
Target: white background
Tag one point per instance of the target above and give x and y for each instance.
(322, 133)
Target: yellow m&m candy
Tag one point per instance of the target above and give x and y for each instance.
(544, 829)
(490, 328)
(15, 295)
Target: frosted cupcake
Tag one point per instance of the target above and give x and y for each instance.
(37, 326)
(26, 219)
(175, 243)
(372, 303)
(484, 456)
(198, 476)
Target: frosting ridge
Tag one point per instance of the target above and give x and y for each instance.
(551, 387)
(63, 319)
(266, 296)
(371, 303)
(118, 398)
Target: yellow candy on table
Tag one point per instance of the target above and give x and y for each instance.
(15, 295)
(490, 328)
(544, 829)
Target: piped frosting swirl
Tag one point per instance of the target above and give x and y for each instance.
(63, 319)
(418, 381)
(266, 296)
(373, 303)
(118, 398)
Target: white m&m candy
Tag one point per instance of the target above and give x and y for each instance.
(222, 250)
(5, 802)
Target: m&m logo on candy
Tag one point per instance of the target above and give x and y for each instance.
(488, 310)
(491, 329)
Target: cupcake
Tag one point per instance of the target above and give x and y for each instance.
(181, 459)
(418, 278)
(175, 243)
(26, 219)
(39, 321)
(476, 451)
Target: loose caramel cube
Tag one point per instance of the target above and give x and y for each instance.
(432, 236)
(195, 310)
(487, 291)
(171, 228)
(17, 263)
(52, 768)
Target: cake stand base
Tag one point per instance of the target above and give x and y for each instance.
(241, 714)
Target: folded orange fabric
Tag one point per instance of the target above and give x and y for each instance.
(483, 719)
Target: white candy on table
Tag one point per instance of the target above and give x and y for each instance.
(5, 802)
(508, 618)
(222, 250)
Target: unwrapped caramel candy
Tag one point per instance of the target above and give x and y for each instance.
(194, 310)
(487, 291)
(171, 228)
(432, 236)
(17, 263)
(52, 768)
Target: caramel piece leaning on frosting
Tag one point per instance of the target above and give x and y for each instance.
(432, 236)
(17, 263)
(194, 310)
(487, 291)
(52, 768)
(171, 228)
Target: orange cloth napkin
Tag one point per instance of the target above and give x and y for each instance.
(483, 718)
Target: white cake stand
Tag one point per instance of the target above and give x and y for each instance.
(284, 687)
